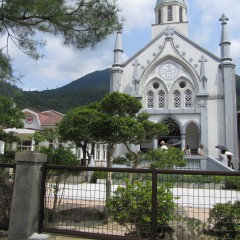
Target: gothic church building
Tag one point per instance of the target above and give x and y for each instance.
(181, 84)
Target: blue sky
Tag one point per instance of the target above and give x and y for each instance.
(60, 65)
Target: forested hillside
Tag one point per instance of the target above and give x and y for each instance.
(82, 91)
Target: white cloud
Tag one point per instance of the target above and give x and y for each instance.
(62, 65)
(137, 13)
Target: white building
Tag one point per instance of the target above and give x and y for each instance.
(39, 121)
(34, 121)
(180, 83)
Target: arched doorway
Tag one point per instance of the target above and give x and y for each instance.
(192, 137)
(174, 136)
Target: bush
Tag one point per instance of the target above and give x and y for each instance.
(224, 220)
(232, 182)
(131, 207)
(7, 157)
(98, 175)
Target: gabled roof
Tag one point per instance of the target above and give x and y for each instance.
(50, 118)
(175, 31)
(46, 118)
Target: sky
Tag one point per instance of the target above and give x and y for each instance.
(62, 65)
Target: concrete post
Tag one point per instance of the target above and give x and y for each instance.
(25, 202)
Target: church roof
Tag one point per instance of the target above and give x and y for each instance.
(159, 2)
(176, 32)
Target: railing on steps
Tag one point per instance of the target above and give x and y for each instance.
(204, 163)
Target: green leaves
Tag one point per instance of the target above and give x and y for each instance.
(120, 104)
(10, 116)
(79, 23)
(165, 159)
(131, 206)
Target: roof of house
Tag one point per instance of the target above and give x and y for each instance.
(50, 117)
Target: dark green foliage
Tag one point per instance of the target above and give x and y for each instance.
(199, 179)
(232, 182)
(98, 175)
(78, 23)
(165, 159)
(224, 220)
(131, 207)
(7, 157)
(60, 156)
(82, 91)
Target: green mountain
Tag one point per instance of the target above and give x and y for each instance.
(90, 88)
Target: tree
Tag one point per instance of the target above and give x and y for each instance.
(79, 23)
(122, 123)
(10, 117)
(50, 134)
(116, 121)
(165, 159)
(75, 127)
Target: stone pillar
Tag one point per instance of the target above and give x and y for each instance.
(25, 202)
(183, 140)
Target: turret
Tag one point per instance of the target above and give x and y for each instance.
(118, 49)
(170, 12)
(116, 70)
(225, 43)
(229, 86)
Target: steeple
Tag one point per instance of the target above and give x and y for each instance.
(118, 49)
(170, 12)
(225, 43)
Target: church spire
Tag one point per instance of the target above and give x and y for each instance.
(170, 12)
(225, 43)
(118, 49)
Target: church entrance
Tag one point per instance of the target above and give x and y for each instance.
(192, 137)
(174, 136)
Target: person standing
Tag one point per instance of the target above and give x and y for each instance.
(229, 158)
(200, 150)
(223, 157)
(187, 150)
(163, 145)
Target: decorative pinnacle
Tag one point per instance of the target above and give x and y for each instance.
(224, 19)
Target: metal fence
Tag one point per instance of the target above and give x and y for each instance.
(114, 203)
(7, 172)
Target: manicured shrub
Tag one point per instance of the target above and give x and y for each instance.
(98, 175)
(232, 182)
(224, 220)
(131, 207)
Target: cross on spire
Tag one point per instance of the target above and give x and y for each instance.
(223, 19)
(203, 77)
(135, 73)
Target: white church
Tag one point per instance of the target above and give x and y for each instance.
(181, 84)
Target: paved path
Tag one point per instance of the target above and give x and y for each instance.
(190, 197)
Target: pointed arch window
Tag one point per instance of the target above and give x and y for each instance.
(161, 99)
(170, 13)
(159, 16)
(188, 99)
(177, 99)
(150, 99)
(180, 14)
